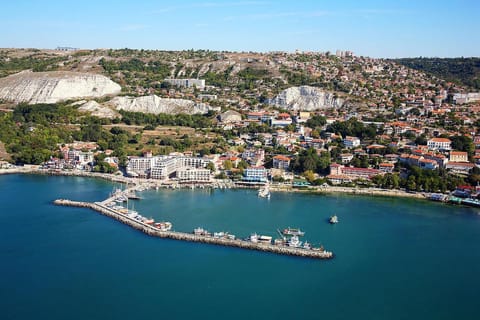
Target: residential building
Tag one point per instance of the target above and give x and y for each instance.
(281, 162)
(351, 142)
(458, 156)
(460, 167)
(187, 83)
(346, 157)
(386, 167)
(439, 144)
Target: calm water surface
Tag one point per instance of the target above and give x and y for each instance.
(395, 258)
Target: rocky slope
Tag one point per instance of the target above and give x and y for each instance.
(306, 98)
(156, 105)
(97, 110)
(51, 87)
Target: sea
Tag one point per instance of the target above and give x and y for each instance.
(395, 258)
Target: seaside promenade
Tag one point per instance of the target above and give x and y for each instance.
(222, 184)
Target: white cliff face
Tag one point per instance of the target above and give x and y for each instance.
(96, 109)
(51, 87)
(306, 98)
(154, 104)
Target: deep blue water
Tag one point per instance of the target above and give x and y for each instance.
(395, 258)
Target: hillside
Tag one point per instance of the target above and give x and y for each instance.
(464, 71)
(239, 80)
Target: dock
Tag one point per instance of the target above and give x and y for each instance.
(190, 237)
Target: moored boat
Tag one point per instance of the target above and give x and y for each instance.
(163, 226)
(294, 241)
(265, 239)
(292, 232)
(264, 192)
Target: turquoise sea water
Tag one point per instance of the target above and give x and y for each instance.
(395, 258)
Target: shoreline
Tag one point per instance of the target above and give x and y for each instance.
(150, 183)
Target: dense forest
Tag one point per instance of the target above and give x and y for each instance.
(464, 71)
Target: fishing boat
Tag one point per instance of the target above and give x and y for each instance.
(333, 219)
(265, 239)
(163, 226)
(201, 232)
(293, 232)
(294, 241)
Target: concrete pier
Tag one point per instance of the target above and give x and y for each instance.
(155, 232)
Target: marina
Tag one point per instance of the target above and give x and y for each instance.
(292, 247)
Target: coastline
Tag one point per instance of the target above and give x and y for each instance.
(161, 184)
(353, 191)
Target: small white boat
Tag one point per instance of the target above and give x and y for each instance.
(333, 219)
(294, 242)
(264, 192)
(292, 232)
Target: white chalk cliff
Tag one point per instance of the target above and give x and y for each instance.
(306, 98)
(98, 110)
(156, 105)
(51, 87)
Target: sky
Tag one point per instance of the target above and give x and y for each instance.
(380, 29)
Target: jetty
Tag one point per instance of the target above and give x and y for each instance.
(151, 230)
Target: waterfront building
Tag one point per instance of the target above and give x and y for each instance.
(255, 174)
(187, 174)
(353, 172)
(162, 167)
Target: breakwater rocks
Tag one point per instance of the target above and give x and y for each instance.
(152, 231)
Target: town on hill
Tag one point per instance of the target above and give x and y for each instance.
(302, 118)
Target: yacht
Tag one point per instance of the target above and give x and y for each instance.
(333, 219)
(264, 192)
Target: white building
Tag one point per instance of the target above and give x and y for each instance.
(187, 83)
(439, 144)
(163, 167)
(193, 175)
(80, 157)
(255, 174)
(351, 142)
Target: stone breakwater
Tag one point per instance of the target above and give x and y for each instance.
(152, 231)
